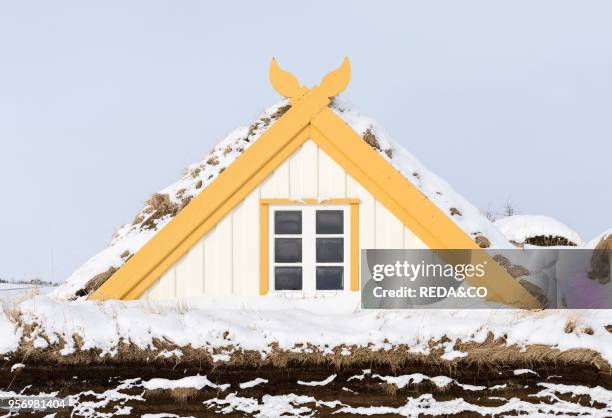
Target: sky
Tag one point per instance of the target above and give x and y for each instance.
(102, 103)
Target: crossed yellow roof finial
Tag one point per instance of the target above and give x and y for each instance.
(288, 85)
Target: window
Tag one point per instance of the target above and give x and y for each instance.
(288, 249)
(330, 249)
(308, 247)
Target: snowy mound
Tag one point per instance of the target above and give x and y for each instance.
(593, 243)
(537, 230)
(165, 204)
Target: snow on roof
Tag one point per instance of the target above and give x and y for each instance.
(162, 207)
(519, 228)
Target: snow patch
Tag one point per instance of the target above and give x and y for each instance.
(196, 382)
(270, 406)
(253, 383)
(315, 383)
(17, 366)
(259, 322)
(518, 228)
(519, 372)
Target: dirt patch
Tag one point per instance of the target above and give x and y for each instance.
(500, 383)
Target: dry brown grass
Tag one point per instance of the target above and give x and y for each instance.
(252, 128)
(195, 172)
(280, 111)
(212, 160)
(570, 326)
(158, 206)
(455, 211)
(482, 241)
(492, 353)
(96, 281)
(371, 140)
(181, 395)
(198, 184)
(11, 311)
(515, 270)
(533, 289)
(549, 241)
(389, 389)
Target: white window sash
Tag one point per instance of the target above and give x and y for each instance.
(309, 236)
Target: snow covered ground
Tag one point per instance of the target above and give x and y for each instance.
(16, 292)
(224, 329)
(366, 394)
(230, 324)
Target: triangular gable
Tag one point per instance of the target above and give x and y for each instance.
(308, 118)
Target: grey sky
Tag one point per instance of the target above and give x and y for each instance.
(103, 103)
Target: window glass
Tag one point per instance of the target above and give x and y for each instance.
(288, 278)
(288, 250)
(330, 277)
(288, 222)
(330, 250)
(330, 222)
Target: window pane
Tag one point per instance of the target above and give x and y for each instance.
(330, 278)
(288, 278)
(330, 222)
(288, 250)
(288, 222)
(330, 250)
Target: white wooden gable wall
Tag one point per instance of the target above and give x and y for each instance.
(226, 260)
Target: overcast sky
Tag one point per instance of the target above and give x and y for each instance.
(103, 103)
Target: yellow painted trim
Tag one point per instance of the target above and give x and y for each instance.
(409, 204)
(355, 246)
(331, 85)
(309, 201)
(264, 249)
(209, 207)
(309, 117)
